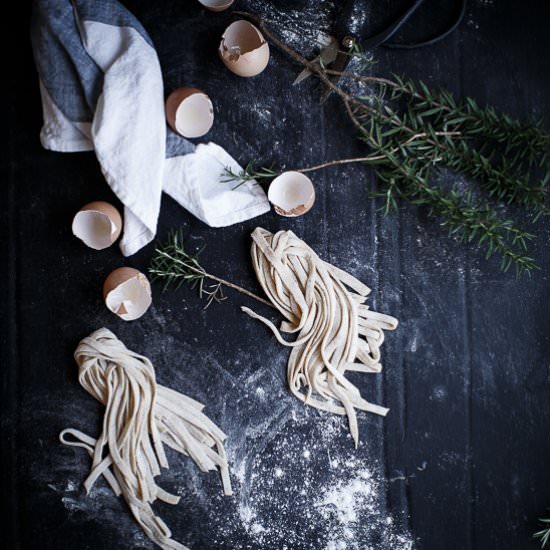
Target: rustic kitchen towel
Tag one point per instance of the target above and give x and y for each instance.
(101, 88)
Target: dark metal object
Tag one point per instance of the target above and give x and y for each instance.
(351, 25)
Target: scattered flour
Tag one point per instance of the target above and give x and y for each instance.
(344, 501)
(353, 509)
(299, 482)
(305, 487)
(303, 28)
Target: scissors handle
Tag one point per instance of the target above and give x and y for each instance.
(434, 39)
(389, 31)
(352, 20)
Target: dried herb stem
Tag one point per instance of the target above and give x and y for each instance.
(416, 135)
(250, 173)
(369, 158)
(174, 265)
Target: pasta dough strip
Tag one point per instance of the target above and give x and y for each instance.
(141, 416)
(325, 307)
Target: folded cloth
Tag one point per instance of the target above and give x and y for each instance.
(101, 89)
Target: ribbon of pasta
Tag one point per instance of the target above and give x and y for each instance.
(336, 331)
(141, 417)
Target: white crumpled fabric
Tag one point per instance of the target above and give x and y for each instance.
(115, 64)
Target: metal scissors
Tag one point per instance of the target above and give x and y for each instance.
(351, 21)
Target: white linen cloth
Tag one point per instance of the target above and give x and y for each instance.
(101, 89)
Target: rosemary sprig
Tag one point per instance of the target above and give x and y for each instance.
(544, 534)
(172, 264)
(415, 135)
(248, 173)
(365, 60)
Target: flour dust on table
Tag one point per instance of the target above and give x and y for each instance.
(305, 27)
(303, 487)
(298, 482)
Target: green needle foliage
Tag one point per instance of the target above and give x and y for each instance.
(422, 135)
(544, 534)
(248, 173)
(173, 265)
(416, 137)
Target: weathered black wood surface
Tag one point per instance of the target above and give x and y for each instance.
(460, 463)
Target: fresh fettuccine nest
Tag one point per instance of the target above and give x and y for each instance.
(336, 330)
(141, 417)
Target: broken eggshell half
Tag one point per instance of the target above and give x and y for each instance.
(243, 49)
(216, 5)
(189, 112)
(291, 194)
(97, 224)
(127, 293)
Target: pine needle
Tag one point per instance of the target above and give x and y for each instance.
(544, 534)
(415, 135)
(248, 173)
(174, 266)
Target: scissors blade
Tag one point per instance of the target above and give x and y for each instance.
(306, 73)
(339, 65)
(350, 26)
(328, 55)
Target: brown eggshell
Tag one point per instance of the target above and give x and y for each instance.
(117, 277)
(127, 293)
(216, 5)
(243, 49)
(193, 104)
(291, 194)
(97, 224)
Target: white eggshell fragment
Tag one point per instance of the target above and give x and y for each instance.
(127, 293)
(291, 194)
(97, 224)
(189, 112)
(216, 5)
(243, 49)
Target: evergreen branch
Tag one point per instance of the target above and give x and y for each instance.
(413, 132)
(501, 181)
(465, 219)
(248, 173)
(529, 141)
(175, 266)
(544, 534)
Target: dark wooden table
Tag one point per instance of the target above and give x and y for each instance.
(460, 463)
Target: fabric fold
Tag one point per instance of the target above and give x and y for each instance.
(101, 88)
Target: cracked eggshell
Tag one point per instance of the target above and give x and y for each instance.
(189, 112)
(216, 5)
(243, 49)
(97, 224)
(127, 293)
(291, 194)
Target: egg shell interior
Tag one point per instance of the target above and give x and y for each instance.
(216, 5)
(96, 229)
(291, 190)
(194, 116)
(130, 299)
(243, 49)
(242, 37)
